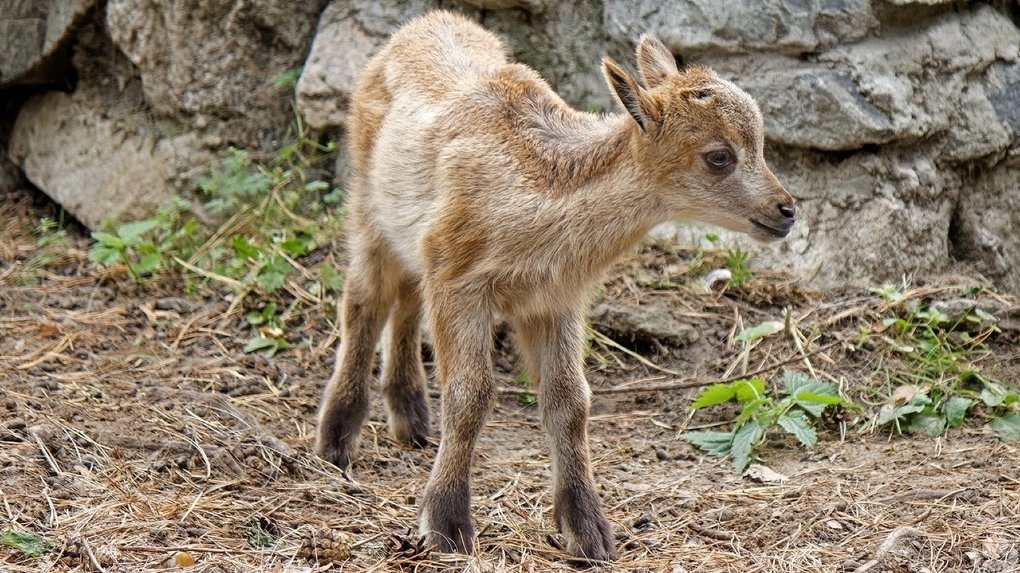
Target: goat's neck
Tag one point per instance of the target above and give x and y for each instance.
(610, 205)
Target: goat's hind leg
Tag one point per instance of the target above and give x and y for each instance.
(369, 292)
(403, 372)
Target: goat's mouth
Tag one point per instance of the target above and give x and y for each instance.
(772, 232)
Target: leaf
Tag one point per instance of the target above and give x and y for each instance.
(815, 404)
(955, 409)
(259, 343)
(132, 232)
(749, 389)
(104, 255)
(811, 394)
(713, 395)
(28, 543)
(108, 240)
(331, 279)
(750, 411)
(744, 441)
(934, 424)
(316, 186)
(273, 274)
(797, 424)
(296, 247)
(761, 331)
(992, 396)
(1007, 427)
(714, 443)
(243, 248)
(148, 264)
(258, 536)
(888, 413)
(796, 382)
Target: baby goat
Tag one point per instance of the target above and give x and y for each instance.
(478, 196)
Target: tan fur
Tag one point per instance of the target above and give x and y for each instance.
(479, 196)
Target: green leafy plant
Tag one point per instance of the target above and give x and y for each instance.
(735, 260)
(802, 402)
(269, 332)
(271, 214)
(259, 534)
(528, 398)
(50, 242)
(28, 543)
(937, 408)
(932, 369)
(143, 246)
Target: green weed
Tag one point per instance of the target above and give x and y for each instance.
(932, 370)
(270, 214)
(524, 381)
(259, 534)
(802, 401)
(735, 260)
(51, 247)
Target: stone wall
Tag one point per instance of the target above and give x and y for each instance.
(894, 122)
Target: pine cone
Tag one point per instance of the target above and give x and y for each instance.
(325, 546)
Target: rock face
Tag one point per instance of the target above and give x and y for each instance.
(162, 89)
(896, 123)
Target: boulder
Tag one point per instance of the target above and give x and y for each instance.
(340, 51)
(35, 39)
(152, 107)
(94, 167)
(701, 26)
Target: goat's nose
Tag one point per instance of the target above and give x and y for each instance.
(788, 211)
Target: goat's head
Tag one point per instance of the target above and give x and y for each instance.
(701, 139)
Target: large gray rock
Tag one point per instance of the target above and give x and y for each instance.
(818, 108)
(561, 39)
(340, 51)
(162, 89)
(35, 38)
(697, 26)
(94, 167)
(215, 61)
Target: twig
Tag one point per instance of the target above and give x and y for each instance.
(192, 549)
(92, 557)
(696, 383)
(603, 339)
(209, 274)
(46, 454)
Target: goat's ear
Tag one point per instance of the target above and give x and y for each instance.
(654, 60)
(629, 93)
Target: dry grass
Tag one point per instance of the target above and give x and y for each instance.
(134, 431)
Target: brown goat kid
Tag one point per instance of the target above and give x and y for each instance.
(478, 196)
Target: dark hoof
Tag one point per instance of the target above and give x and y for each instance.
(446, 521)
(338, 454)
(409, 419)
(589, 537)
(340, 423)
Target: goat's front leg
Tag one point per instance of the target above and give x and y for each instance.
(554, 346)
(462, 341)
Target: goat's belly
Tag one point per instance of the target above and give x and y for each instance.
(400, 184)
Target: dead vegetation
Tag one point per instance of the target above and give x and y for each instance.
(135, 435)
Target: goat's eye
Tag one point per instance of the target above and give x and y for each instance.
(719, 159)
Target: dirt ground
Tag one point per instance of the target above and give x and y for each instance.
(135, 434)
